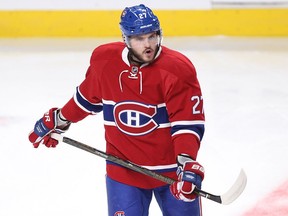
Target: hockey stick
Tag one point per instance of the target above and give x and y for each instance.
(232, 194)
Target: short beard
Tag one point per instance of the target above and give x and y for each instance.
(135, 58)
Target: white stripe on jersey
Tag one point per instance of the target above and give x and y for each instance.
(161, 167)
(187, 132)
(187, 122)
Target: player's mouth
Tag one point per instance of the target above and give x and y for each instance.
(149, 53)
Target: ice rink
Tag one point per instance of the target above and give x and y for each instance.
(245, 87)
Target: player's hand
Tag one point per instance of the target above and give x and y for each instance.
(190, 175)
(50, 122)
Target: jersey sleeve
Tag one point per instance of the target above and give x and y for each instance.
(184, 104)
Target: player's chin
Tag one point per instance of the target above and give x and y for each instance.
(148, 57)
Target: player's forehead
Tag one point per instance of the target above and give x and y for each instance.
(147, 35)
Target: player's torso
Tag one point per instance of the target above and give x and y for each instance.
(135, 116)
(137, 126)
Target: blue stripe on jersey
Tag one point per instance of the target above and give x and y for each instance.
(108, 112)
(196, 128)
(85, 104)
(161, 116)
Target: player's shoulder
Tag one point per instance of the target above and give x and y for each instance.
(174, 60)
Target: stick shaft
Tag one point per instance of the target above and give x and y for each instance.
(118, 161)
(134, 167)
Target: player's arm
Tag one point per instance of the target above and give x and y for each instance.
(186, 136)
(185, 108)
(83, 103)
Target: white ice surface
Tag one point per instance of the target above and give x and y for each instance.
(244, 83)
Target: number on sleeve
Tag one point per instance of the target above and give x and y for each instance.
(198, 106)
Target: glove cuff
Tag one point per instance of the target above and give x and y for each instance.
(182, 159)
(62, 124)
(60, 119)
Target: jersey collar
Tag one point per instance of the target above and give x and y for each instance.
(125, 56)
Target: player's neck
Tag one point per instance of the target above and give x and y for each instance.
(134, 60)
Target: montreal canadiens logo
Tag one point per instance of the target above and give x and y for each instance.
(119, 213)
(134, 118)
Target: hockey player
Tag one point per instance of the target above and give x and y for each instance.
(153, 116)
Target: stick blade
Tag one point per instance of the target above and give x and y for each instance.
(236, 190)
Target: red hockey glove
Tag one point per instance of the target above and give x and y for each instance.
(50, 122)
(190, 175)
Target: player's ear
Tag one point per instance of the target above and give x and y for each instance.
(125, 40)
(123, 37)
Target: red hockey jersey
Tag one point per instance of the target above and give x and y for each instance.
(151, 113)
